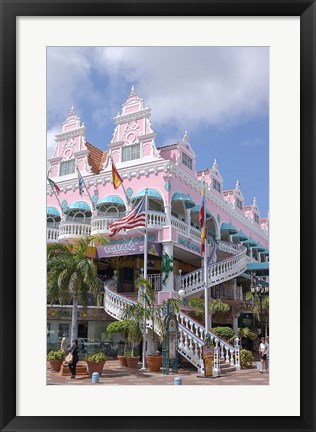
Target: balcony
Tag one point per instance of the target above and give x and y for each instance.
(73, 229)
(100, 224)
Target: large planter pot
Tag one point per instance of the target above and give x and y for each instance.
(95, 367)
(55, 365)
(154, 362)
(132, 362)
(122, 360)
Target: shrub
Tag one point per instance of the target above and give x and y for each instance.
(128, 354)
(118, 327)
(56, 355)
(225, 333)
(96, 358)
(245, 358)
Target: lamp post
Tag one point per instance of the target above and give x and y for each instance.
(260, 291)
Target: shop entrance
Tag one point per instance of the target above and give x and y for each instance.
(83, 330)
(126, 280)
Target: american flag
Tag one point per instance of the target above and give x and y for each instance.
(136, 218)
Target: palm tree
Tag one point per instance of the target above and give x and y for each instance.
(71, 276)
(147, 309)
(198, 306)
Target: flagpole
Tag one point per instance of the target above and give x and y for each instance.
(93, 205)
(54, 192)
(145, 277)
(205, 264)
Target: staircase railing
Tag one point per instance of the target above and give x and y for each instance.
(217, 272)
(191, 333)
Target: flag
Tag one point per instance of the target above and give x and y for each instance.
(53, 185)
(203, 237)
(80, 182)
(201, 212)
(116, 178)
(136, 218)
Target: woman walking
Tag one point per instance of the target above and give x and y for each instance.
(74, 350)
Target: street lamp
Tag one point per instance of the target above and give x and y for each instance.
(260, 291)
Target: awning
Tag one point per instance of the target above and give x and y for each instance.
(152, 193)
(261, 268)
(250, 242)
(110, 199)
(185, 198)
(241, 236)
(266, 252)
(78, 205)
(259, 247)
(197, 208)
(228, 228)
(52, 211)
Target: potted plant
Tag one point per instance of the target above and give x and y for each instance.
(131, 359)
(147, 309)
(56, 359)
(95, 362)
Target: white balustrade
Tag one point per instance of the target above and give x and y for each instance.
(217, 272)
(179, 225)
(73, 229)
(52, 235)
(191, 335)
(100, 224)
(156, 219)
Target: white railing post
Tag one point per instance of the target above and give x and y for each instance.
(237, 354)
(216, 364)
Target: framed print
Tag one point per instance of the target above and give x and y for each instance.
(233, 83)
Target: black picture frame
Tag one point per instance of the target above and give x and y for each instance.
(11, 9)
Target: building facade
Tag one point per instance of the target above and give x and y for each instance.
(238, 236)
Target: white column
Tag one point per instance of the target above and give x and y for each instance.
(168, 215)
(167, 248)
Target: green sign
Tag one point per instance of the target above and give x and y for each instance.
(245, 320)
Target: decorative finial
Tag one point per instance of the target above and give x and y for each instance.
(237, 185)
(72, 111)
(214, 166)
(254, 201)
(185, 137)
(133, 93)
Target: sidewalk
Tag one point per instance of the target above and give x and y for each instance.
(114, 374)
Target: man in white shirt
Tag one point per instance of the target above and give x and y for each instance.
(263, 348)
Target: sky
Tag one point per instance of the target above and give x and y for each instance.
(219, 95)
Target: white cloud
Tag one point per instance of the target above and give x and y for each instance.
(193, 86)
(50, 140)
(188, 87)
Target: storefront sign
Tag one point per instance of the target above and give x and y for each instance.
(130, 248)
(189, 245)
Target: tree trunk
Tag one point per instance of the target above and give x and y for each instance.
(74, 320)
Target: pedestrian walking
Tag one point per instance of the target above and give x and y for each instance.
(63, 345)
(263, 354)
(74, 350)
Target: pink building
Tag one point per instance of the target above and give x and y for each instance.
(238, 235)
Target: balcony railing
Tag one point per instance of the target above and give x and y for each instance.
(52, 235)
(155, 281)
(73, 229)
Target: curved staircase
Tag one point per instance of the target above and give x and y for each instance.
(191, 332)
